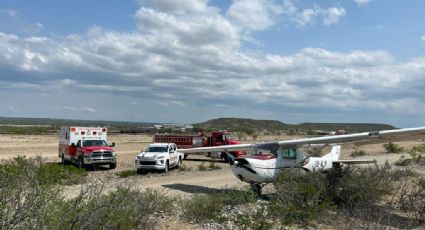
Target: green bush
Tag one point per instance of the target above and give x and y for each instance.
(411, 198)
(300, 198)
(184, 168)
(202, 167)
(358, 152)
(417, 153)
(126, 173)
(208, 207)
(213, 166)
(256, 217)
(46, 173)
(31, 198)
(119, 209)
(393, 148)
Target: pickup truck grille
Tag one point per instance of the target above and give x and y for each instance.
(147, 162)
(104, 154)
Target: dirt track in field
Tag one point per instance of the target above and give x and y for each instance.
(176, 182)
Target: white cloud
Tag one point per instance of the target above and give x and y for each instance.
(423, 38)
(254, 14)
(309, 16)
(189, 57)
(332, 15)
(362, 2)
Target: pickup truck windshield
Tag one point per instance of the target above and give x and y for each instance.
(88, 143)
(156, 149)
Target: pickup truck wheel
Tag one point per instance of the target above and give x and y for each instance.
(179, 163)
(113, 165)
(167, 166)
(139, 171)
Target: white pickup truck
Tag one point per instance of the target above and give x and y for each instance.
(158, 156)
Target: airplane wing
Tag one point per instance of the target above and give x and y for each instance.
(357, 138)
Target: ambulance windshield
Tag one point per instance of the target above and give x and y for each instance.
(88, 143)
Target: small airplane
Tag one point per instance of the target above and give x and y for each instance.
(270, 158)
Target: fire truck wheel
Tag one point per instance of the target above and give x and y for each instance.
(113, 165)
(167, 166)
(80, 163)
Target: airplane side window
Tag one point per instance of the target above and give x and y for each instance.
(289, 153)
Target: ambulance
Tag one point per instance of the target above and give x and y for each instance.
(86, 146)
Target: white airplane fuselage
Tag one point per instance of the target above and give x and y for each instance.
(261, 169)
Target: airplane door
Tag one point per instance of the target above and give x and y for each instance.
(288, 158)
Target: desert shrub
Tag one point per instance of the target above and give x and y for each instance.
(403, 161)
(184, 168)
(126, 173)
(358, 152)
(123, 208)
(352, 187)
(45, 173)
(411, 198)
(202, 167)
(255, 217)
(299, 198)
(26, 194)
(202, 207)
(213, 166)
(208, 207)
(417, 153)
(416, 157)
(31, 198)
(393, 148)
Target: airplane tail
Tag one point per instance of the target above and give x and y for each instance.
(334, 154)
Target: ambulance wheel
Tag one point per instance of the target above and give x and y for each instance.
(167, 166)
(113, 165)
(80, 163)
(63, 161)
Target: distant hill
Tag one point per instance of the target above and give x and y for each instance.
(244, 124)
(241, 124)
(349, 127)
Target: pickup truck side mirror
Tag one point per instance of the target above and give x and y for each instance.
(112, 145)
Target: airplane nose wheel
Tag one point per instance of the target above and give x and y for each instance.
(257, 189)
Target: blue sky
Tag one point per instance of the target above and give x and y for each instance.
(189, 61)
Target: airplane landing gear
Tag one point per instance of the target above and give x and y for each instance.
(257, 189)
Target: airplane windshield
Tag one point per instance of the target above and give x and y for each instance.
(87, 143)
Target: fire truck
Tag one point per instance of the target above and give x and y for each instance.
(86, 146)
(215, 138)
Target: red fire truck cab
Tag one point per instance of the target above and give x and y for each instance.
(215, 138)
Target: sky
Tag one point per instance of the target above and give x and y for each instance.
(193, 60)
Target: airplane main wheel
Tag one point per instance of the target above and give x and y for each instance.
(257, 189)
